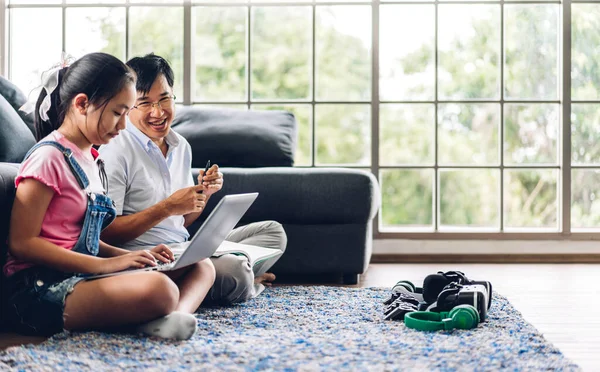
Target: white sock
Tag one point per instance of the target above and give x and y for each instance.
(178, 325)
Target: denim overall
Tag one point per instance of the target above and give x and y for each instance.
(36, 295)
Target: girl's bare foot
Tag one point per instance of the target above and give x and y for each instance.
(265, 279)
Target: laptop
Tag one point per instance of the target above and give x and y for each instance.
(207, 239)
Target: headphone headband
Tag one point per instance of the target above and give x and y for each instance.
(461, 317)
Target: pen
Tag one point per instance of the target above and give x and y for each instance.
(205, 170)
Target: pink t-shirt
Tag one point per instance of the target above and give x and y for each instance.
(63, 221)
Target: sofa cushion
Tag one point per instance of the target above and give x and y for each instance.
(8, 172)
(16, 99)
(238, 138)
(312, 196)
(15, 138)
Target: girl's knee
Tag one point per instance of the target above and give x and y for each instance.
(158, 293)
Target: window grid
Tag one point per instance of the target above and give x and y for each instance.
(501, 211)
(313, 148)
(436, 172)
(564, 164)
(565, 64)
(188, 56)
(375, 103)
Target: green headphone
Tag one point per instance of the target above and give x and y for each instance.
(461, 317)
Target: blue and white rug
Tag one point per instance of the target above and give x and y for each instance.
(309, 329)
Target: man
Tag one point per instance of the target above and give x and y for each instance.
(149, 175)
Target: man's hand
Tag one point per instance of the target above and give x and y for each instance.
(186, 200)
(212, 181)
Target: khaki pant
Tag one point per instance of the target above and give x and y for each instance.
(234, 282)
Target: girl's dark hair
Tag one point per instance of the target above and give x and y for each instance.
(147, 69)
(100, 76)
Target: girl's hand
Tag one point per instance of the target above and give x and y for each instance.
(212, 181)
(162, 253)
(132, 260)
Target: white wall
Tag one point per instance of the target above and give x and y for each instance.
(405, 246)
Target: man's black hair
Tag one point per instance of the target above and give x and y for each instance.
(148, 68)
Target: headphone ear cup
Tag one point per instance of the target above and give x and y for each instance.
(408, 286)
(464, 317)
(402, 287)
(432, 286)
(457, 276)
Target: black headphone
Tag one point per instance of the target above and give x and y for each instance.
(432, 285)
(435, 283)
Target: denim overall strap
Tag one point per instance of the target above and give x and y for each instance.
(100, 211)
(80, 175)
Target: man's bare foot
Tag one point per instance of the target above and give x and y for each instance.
(265, 279)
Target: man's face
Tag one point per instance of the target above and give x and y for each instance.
(155, 110)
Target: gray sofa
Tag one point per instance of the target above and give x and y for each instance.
(327, 213)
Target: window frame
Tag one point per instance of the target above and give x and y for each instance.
(564, 101)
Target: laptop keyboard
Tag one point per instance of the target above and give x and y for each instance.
(161, 263)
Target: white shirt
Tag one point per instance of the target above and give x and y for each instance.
(140, 176)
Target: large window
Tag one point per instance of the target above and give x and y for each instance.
(479, 118)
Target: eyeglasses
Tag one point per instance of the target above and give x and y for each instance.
(163, 103)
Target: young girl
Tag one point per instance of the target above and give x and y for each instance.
(60, 208)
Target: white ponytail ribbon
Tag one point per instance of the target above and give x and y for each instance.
(49, 83)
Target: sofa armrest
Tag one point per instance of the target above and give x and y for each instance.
(8, 172)
(303, 195)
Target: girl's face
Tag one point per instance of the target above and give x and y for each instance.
(103, 123)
